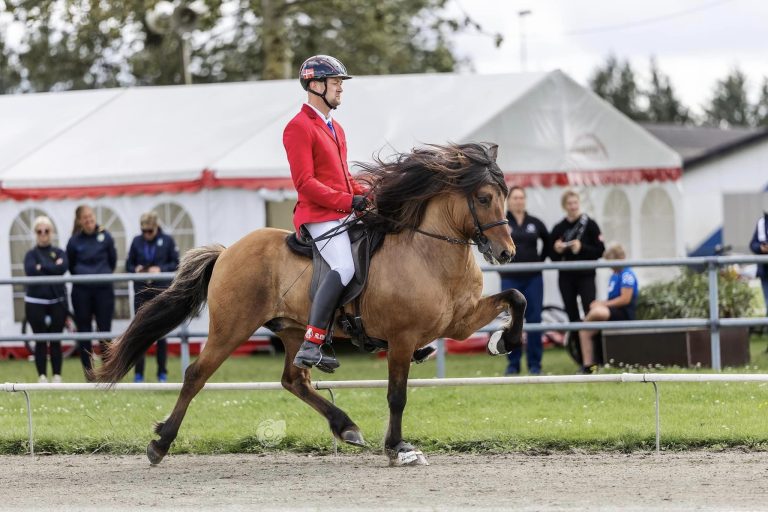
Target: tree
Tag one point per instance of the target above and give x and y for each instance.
(663, 104)
(80, 44)
(615, 82)
(760, 109)
(729, 105)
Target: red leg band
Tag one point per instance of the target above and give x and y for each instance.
(315, 335)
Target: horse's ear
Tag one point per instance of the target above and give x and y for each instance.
(493, 151)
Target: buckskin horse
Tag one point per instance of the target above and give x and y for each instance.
(424, 283)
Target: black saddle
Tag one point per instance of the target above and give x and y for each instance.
(364, 245)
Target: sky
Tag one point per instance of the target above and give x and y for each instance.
(695, 42)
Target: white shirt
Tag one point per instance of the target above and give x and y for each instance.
(322, 116)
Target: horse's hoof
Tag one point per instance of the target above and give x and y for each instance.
(353, 437)
(154, 454)
(405, 454)
(496, 345)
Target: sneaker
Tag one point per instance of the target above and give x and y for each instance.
(162, 378)
(138, 378)
(42, 379)
(57, 379)
(589, 370)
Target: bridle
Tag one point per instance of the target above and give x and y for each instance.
(478, 238)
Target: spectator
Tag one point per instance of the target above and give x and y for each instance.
(621, 305)
(576, 238)
(526, 231)
(151, 252)
(759, 245)
(45, 305)
(91, 250)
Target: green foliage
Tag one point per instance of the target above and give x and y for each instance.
(688, 297)
(85, 44)
(760, 109)
(663, 104)
(616, 83)
(729, 105)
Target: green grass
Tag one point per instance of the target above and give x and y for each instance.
(530, 418)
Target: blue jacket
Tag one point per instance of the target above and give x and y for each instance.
(754, 245)
(46, 257)
(92, 254)
(161, 252)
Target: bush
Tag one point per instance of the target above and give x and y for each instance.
(688, 297)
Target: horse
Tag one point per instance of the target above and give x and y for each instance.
(424, 283)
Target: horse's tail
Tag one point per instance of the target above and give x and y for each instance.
(183, 299)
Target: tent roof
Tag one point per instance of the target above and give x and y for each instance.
(149, 139)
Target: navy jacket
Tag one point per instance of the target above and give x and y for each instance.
(46, 257)
(754, 245)
(161, 252)
(92, 254)
(526, 237)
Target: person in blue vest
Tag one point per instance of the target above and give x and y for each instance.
(759, 245)
(91, 250)
(526, 231)
(620, 305)
(151, 252)
(45, 305)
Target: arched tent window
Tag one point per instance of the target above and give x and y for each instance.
(657, 225)
(176, 221)
(21, 239)
(617, 221)
(107, 218)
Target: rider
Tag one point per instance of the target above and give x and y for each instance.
(327, 195)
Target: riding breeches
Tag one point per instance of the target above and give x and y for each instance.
(336, 250)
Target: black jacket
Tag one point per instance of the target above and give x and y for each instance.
(92, 254)
(161, 252)
(526, 237)
(587, 231)
(45, 257)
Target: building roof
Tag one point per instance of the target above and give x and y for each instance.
(550, 129)
(699, 144)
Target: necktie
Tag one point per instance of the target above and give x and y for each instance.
(330, 125)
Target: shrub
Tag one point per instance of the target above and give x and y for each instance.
(687, 296)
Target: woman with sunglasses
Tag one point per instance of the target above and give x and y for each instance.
(45, 305)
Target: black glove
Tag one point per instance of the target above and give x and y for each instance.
(359, 203)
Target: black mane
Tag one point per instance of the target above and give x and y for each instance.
(401, 188)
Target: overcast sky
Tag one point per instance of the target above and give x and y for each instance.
(696, 42)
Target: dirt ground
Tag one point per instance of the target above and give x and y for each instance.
(640, 481)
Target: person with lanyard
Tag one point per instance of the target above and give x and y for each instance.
(316, 148)
(151, 252)
(759, 245)
(91, 250)
(621, 305)
(576, 238)
(526, 231)
(45, 305)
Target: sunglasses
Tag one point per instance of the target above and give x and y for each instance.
(148, 231)
(42, 231)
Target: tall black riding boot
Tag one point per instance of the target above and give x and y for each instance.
(320, 316)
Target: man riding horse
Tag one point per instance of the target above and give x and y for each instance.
(327, 195)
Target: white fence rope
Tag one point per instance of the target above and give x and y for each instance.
(652, 378)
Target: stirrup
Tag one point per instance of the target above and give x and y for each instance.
(327, 364)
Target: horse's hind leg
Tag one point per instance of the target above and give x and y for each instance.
(297, 381)
(214, 353)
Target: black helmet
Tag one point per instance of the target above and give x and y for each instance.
(320, 67)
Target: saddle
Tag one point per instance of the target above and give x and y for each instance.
(364, 244)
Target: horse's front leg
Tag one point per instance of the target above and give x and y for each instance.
(400, 453)
(488, 308)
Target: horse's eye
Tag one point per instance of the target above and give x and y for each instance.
(484, 200)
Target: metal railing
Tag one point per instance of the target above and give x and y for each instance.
(713, 322)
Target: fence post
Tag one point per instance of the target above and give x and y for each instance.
(714, 318)
(440, 358)
(184, 335)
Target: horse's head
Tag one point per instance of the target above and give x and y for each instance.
(487, 222)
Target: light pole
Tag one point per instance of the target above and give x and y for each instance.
(178, 18)
(523, 57)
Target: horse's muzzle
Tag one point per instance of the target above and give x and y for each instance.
(505, 256)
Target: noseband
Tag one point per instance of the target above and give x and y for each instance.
(478, 237)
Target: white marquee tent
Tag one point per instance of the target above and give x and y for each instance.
(211, 156)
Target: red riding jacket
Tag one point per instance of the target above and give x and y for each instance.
(319, 169)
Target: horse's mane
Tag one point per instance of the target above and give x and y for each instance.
(401, 188)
